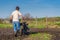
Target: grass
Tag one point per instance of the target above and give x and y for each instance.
(5, 25)
(30, 25)
(57, 23)
(33, 24)
(39, 36)
(38, 26)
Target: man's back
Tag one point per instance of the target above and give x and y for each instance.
(15, 15)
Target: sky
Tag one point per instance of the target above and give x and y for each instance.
(39, 8)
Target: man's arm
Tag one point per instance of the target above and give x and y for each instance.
(21, 16)
(11, 17)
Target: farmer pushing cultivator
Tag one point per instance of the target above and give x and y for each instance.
(14, 18)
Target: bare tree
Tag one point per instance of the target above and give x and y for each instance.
(27, 16)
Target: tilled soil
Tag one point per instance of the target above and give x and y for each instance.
(8, 34)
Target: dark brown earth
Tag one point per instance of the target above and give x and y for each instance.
(8, 34)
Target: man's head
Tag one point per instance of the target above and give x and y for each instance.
(17, 8)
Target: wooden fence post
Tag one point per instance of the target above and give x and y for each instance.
(36, 22)
(46, 21)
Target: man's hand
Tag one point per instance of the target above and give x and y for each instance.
(11, 19)
(22, 18)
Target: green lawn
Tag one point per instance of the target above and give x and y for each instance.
(38, 26)
(40, 36)
(33, 24)
(57, 23)
(30, 25)
(5, 25)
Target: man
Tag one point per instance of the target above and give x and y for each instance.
(15, 19)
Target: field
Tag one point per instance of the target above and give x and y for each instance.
(8, 30)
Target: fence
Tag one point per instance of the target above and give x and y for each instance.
(46, 22)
